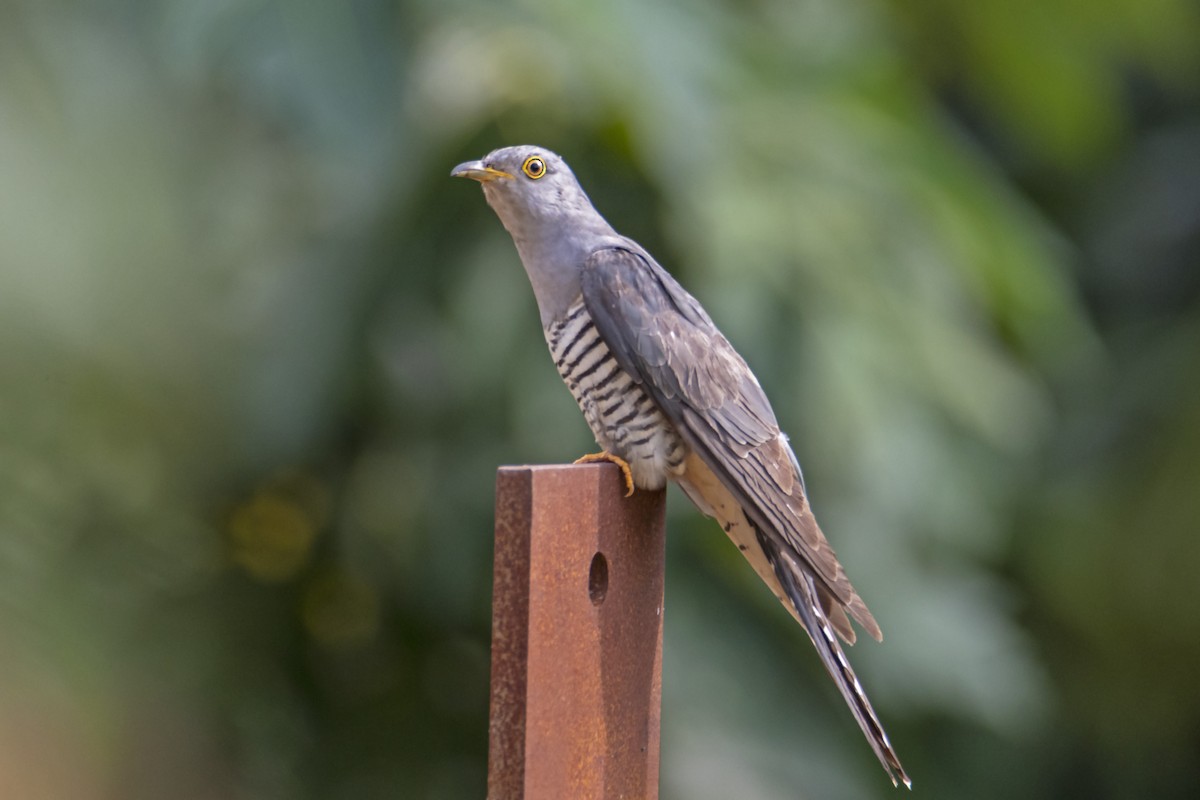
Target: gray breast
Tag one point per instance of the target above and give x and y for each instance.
(624, 419)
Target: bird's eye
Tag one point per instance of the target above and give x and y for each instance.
(534, 167)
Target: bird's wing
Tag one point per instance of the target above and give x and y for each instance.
(661, 336)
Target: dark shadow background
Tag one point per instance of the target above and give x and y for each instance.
(260, 357)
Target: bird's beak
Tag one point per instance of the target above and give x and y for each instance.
(478, 171)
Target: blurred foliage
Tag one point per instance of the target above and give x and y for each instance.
(261, 357)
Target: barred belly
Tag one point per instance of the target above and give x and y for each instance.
(624, 419)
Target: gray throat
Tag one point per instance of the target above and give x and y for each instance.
(553, 249)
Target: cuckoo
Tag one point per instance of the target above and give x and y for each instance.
(668, 398)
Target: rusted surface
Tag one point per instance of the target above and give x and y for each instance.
(576, 636)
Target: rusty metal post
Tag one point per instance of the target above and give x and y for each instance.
(577, 609)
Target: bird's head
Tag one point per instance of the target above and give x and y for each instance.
(550, 218)
(528, 187)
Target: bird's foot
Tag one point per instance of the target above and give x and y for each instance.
(620, 462)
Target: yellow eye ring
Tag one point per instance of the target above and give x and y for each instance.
(534, 167)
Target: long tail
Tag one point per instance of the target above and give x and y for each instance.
(801, 589)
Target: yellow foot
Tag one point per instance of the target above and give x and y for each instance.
(620, 462)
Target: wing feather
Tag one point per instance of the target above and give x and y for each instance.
(665, 341)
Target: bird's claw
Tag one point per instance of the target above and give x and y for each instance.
(609, 457)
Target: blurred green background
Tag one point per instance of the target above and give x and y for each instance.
(261, 356)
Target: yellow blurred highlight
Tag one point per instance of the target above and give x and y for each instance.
(340, 610)
(271, 537)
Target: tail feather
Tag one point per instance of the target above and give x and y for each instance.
(803, 592)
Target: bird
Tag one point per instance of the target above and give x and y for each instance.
(669, 399)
